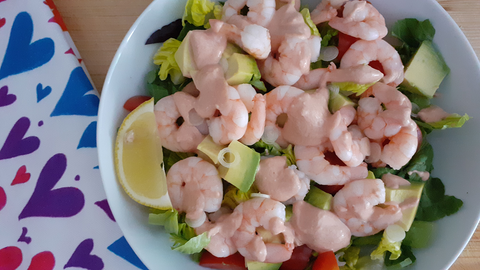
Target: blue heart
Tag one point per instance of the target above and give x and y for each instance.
(89, 137)
(74, 100)
(22, 55)
(42, 92)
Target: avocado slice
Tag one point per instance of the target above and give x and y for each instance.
(337, 101)
(242, 172)
(399, 195)
(184, 56)
(241, 69)
(319, 198)
(252, 265)
(210, 148)
(231, 49)
(426, 71)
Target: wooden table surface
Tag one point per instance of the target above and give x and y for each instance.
(98, 26)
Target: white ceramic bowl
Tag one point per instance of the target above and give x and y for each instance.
(457, 151)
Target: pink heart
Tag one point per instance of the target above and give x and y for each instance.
(42, 261)
(10, 258)
(3, 198)
(2, 20)
(21, 177)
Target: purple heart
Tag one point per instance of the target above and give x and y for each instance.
(6, 98)
(106, 208)
(49, 202)
(15, 144)
(82, 258)
(24, 237)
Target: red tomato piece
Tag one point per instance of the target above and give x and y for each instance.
(331, 189)
(134, 102)
(299, 260)
(232, 262)
(344, 43)
(326, 261)
(377, 65)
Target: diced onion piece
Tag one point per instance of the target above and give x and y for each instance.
(335, 89)
(198, 222)
(194, 118)
(223, 162)
(260, 195)
(328, 53)
(395, 233)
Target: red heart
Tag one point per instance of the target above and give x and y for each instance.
(42, 261)
(21, 177)
(10, 258)
(3, 199)
(2, 20)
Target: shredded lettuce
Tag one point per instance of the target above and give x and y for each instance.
(217, 11)
(387, 245)
(165, 58)
(234, 196)
(197, 12)
(186, 241)
(166, 218)
(349, 88)
(452, 121)
(308, 20)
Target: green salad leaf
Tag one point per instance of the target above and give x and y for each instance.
(170, 158)
(165, 58)
(352, 88)
(234, 196)
(308, 20)
(407, 258)
(166, 218)
(387, 246)
(422, 161)
(434, 204)
(452, 121)
(197, 11)
(273, 149)
(159, 89)
(188, 242)
(412, 33)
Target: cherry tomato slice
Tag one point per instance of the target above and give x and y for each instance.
(232, 262)
(134, 102)
(326, 261)
(299, 260)
(344, 43)
(331, 189)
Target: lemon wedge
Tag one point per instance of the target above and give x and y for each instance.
(139, 157)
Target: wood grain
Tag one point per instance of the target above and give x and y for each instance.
(98, 26)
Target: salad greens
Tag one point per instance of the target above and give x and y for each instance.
(411, 32)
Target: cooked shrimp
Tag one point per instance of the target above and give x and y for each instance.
(264, 216)
(362, 74)
(360, 19)
(253, 38)
(326, 10)
(278, 101)
(220, 232)
(195, 188)
(176, 137)
(363, 52)
(377, 123)
(282, 183)
(289, 63)
(259, 11)
(401, 147)
(232, 122)
(357, 204)
(312, 161)
(256, 106)
(281, 3)
(349, 143)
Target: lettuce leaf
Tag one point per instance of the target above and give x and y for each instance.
(352, 88)
(165, 58)
(196, 12)
(170, 158)
(234, 196)
(274, 149)
(412, 33)
(407, 258)
(452, 121)
(188, 243)
(350, 257)
(159, 89)
(166, 218)
(308, 20)
(386, 245)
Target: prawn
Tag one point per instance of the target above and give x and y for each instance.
(361, 20)
(266, 217)
(326, 10)
(376, 122)
(288, 64)
(252, 38)
(278, 101)
(282, 183)
(259, 11)
(349, 143)
(363, 52)
(174, 135)
(312, 160)
(220, 233)
(256, 106)
(232, 120)
(281, 3)
(401, 147)
(195, 188)
(357, 204)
